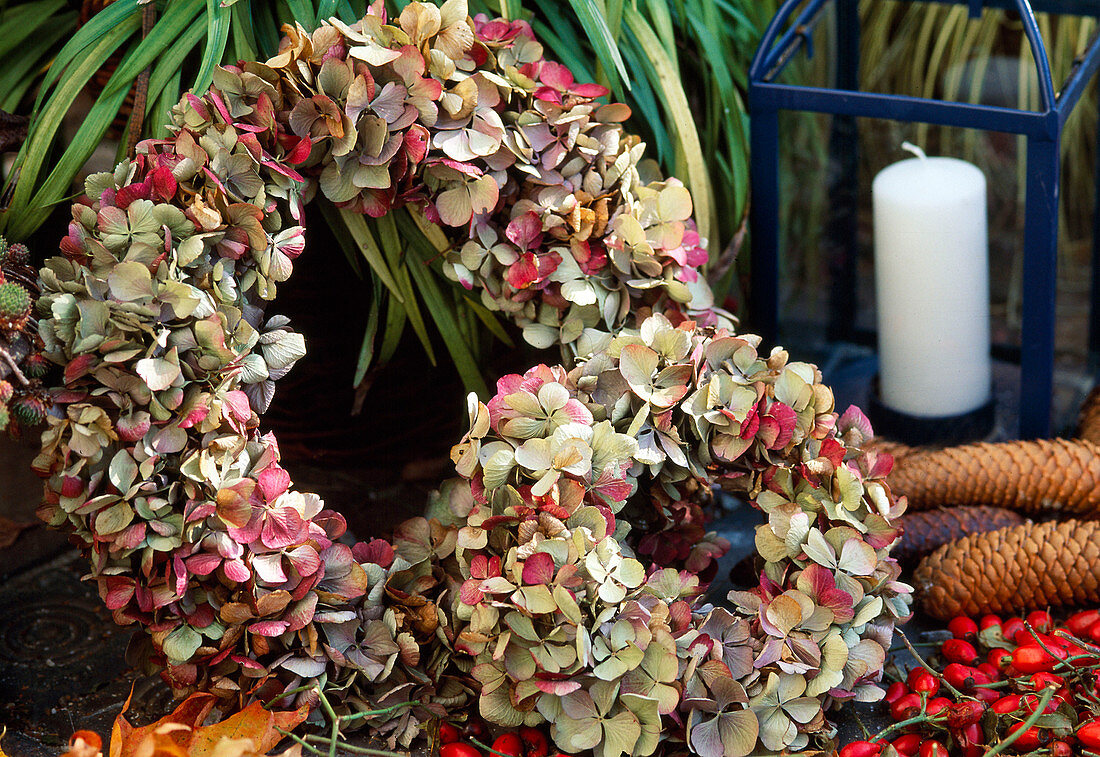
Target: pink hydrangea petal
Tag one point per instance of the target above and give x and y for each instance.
(538, 569)
(273, 481)
(236, 570)
(118, 592)
(268, 627)
(283, 526)
(523, 273)
(204, 563)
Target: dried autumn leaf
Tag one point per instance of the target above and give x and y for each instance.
(253, 722)
(252, 731)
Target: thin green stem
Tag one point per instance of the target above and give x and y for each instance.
(1080, 642)
(356, 749)
(1058, 661)
(286, 694)
(909, 645)
(486, 747)
(1032, 719)
(300, 740)
(915, 720)
(335, 721)
(993, 685)
(375, 713)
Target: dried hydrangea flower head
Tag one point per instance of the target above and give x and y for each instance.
(674, 409)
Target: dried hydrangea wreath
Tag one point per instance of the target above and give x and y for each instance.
(523, 592)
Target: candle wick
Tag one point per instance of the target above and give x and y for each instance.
(915, 150)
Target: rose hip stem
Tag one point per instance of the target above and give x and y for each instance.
(922, 717)
(1032, 719)
(487, 748)
(1058, 662)
(920, 660)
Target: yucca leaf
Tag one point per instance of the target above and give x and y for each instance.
(437, 241)
(243, 33)
(267, 28)
(667, 81)
(607, 51)
(18, 220)
(301, 11)
(88, 136)
(344, 239)
(21, 23)
(366, 350)
(168, 28)
(396, 317)
(160, 112)
(647, 111)
(168, 67)
(661, 21)
(349, 13)
(117, 15)
(356, 225)
(326, 9)
(444, 316)
(726, 106)
(613, 12)
(431, 231)
(19, 75)
(492, 323)
(394, 250)
(218, 21)
(423, 261)
(412, 235)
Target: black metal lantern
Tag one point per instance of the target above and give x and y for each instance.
(1043, 128)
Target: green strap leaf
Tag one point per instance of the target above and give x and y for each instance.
(327, 9)
(244, 33)
(159, 113)
(492, 323)
(218, 21)
(18, 76)
(366, 351)
(105, 23)
(444, 315)
(168, 28)
(168, 69)
(396, 317)
(302, 12)
(394, 250)
(425, 265)
(356, 225)
(344, 238)
(267, 28)
(607, 50)
(667, 80)
(21, 218)
(22, 22)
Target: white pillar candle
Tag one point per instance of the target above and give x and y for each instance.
(932, 286)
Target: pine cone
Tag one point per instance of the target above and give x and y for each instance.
(896, 450)
(926, 531)
(1088, 420)
(1025, 567)
(1044, 475)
